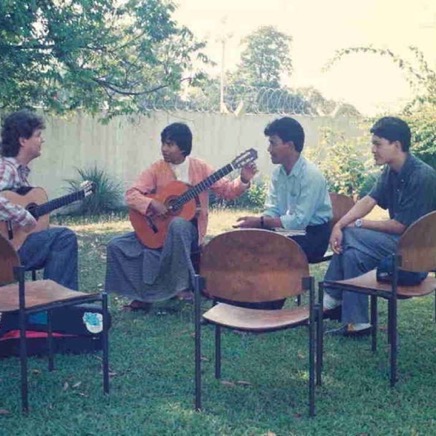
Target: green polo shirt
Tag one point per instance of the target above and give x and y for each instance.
(408, 194)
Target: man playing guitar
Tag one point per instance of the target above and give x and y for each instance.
(145, 274)
(54, 249)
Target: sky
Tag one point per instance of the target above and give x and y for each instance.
(318, 28)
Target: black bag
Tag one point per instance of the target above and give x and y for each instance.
(385, 273)
(76, 329)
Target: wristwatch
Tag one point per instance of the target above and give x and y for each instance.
(358, 223)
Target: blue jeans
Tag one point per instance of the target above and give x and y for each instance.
(363, 249)
(55, 250)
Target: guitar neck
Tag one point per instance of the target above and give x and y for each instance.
(202, 186)
(46, 208)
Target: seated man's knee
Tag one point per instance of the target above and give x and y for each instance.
(68, 237)
(178, 224)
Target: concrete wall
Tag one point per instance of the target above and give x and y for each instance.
(124, 147)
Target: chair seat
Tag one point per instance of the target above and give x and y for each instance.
(39, 294)
(369, 281)
(255, 320)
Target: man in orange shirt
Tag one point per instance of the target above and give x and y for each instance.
(148, 275)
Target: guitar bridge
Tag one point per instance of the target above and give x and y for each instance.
(151, 224)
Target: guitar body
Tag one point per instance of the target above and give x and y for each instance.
(152, 231)
(34, 196)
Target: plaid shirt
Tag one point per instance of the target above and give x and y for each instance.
(13, 176)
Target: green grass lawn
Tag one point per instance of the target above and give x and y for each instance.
(152, 371)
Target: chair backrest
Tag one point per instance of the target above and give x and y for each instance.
(253, 265)
(8, 260)
(341, 204)
(417, 245)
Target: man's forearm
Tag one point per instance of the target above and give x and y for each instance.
(359, 210)
(386, 226)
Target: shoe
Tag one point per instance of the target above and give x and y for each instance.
(351, 330)
(137, 306)
(333, 314)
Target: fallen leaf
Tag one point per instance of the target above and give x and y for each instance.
(204, 359)
(82, 394)
(4, 412)
(66, 386)
(76, 385)
(36, 371)
(227, 383)
(243, 383)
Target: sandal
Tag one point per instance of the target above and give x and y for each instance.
(137, 306)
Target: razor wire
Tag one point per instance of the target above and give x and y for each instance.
(236, 99)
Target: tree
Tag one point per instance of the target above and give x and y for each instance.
(420, 113)
(97, 55)
(265, 59)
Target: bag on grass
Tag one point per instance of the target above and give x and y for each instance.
(76, 329)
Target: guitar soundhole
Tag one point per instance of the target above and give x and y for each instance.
(171, 204)
(31, 207)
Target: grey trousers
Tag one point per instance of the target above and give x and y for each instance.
(148, 275)
(362, 251)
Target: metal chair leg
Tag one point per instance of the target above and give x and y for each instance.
(308, 284)
(50, 341)
(374, 323)
(197, 297)
(19, 273)
(105, 344)
(217, 351)
(393, 342)
(319, 345)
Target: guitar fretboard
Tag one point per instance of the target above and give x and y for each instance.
(48, 207)
(202, 186)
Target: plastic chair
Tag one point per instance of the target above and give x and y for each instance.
(247, 266)
(41, 296)
(416, 251)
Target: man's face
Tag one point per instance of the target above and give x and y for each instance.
(383, 150)
(32, 145)
(171, 152)
(279, 150)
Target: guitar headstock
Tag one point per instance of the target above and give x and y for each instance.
(244, 158)
(87, 187)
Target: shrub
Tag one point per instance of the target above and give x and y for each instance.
(106, 198)
(253, 198)
(345, 162)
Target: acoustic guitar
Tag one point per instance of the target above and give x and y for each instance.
(180, 200)
(35, 200)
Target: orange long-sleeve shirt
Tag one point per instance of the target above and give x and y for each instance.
(160, 174)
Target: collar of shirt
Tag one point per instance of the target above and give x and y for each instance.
(22, 170)
(297, 169)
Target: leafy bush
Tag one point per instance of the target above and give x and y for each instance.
(423, 125)
(253, 198)
(106, 198)
(345, 162)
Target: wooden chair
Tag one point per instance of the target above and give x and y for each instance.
(40, 296)
(247, 266)
(341, 204)
(416, 251)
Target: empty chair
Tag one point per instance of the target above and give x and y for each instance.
(250, 266)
